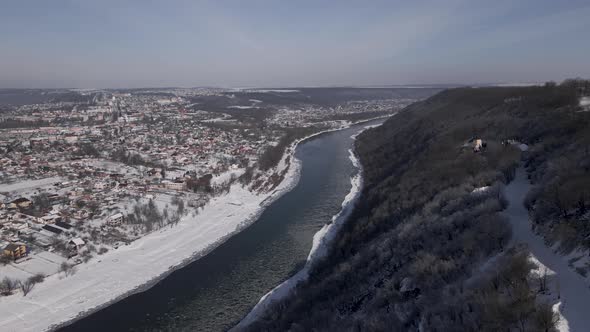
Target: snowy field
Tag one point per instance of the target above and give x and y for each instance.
(27, 185)
(44, 262)
(112, 166)
(227, 176)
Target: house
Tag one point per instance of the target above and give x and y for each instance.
(173, 185)
(15, 251)
(50, 230)
(155, 173)
(63, 224)
(80, 214)
(76, 243)
(478, 145)
(115, 219)
(49, 219)
(20, 203)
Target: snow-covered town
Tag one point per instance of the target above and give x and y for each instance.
(86, 173)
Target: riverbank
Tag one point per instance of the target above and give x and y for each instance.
(130, 269)
(320, 247)
(136, 267)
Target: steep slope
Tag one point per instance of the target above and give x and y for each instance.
(416, 252)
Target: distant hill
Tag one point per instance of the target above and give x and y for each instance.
(417, 252)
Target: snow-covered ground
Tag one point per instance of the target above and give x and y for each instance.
(27, 185)
(44, 262)
(320, 246)
(573, 303)
(227, 176)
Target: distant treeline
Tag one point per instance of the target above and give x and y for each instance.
(273, 154)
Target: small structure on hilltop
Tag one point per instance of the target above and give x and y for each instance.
(478, 144)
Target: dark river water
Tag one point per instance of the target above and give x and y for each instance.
(216, 291)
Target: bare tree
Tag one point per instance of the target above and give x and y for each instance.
(7, 286)
(543, 281)
(5, 259)
(26, 286)
(37, 278)
(67, 269)
(545, 318)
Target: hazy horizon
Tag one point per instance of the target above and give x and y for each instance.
(108, 44)
(285, 87)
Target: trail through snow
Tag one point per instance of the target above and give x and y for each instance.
(575, 293)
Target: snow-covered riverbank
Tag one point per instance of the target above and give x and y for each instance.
(130, 269)
(320, 246)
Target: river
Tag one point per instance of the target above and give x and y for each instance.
(216, 291)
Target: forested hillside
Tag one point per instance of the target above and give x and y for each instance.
(426, 248)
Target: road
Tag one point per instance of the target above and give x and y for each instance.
(574, 290)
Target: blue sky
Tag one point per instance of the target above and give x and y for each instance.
(112, 43)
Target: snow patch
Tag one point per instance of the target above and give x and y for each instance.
(523, 147)
(242, 107)
(29, 184)
(227, 176)
(480, 190)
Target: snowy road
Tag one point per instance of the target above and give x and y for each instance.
(575, 293)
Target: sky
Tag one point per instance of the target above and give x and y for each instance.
(118, 43)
